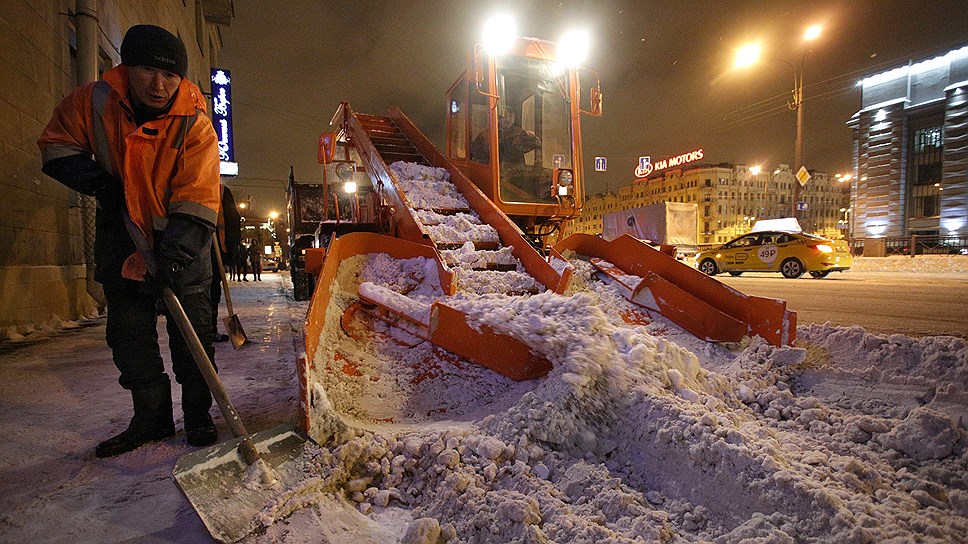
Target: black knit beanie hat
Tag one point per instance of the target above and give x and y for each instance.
(149, 45)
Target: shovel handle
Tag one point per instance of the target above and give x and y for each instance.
(246, 448)
(221, 272)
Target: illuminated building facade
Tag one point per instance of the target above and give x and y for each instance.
(911, 150)
(730, 198)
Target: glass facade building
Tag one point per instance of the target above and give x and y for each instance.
(911, 150)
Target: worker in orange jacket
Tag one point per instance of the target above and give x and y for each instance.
(140, 142)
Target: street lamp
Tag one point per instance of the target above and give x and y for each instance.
(851, 195)
(749, 55)
(749, 221)
(755, 170)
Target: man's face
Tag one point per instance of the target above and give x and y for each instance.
(153, 87)
(505, 121)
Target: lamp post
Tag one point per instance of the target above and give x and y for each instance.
(755, 171)
(851, 187)
(749, 55)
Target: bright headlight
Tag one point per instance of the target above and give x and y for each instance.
(573, 48)
(499, 34)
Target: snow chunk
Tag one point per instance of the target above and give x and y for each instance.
(924, 434)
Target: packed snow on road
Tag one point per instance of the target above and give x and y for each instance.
(640, 433)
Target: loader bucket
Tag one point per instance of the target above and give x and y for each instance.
(443, 326)
(340, 249)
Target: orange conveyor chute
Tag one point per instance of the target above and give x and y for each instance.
(407, 228)
(447, 327)
(698, 303)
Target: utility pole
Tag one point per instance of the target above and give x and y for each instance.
(797, 104)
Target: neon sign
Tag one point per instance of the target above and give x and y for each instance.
(222, 119)
(647, 167)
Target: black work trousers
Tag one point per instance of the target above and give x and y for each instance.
(132, 335)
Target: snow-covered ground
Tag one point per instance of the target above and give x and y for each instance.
(640, 433)
(924, 264)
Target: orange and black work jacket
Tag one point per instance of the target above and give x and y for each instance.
(157, 183)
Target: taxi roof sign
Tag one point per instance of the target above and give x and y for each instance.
(783, 224)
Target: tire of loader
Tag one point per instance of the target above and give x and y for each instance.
(302, 285)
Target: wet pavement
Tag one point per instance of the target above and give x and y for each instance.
(59, 397)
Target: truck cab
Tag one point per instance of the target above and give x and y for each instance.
(513, 127)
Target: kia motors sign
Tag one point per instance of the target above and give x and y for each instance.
(645, 167)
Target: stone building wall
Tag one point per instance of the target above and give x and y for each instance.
(46, 230)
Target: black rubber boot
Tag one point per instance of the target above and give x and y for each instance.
(152, 421)
(200, 430)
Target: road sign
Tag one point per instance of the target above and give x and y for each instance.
(601, 164)
(803, 176)
(644, 168)
(801, 206)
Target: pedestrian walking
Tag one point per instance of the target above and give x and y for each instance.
(243, 260)
(139, 142)
(255, 260)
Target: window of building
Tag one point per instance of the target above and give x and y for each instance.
(926, 172)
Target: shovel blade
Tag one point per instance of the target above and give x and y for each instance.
(221, 486)
(234, 328)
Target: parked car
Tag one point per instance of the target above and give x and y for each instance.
(791, 254)
(270, 264)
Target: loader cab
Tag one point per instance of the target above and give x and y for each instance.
(513, 127)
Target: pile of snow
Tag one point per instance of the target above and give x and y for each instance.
(459, 230)
(427, 188)
(23, 332)
(483, 282)
(952, 264)
(469, 258)
(633, 436)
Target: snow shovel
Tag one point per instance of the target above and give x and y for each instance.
(232, 323)
(229, 484)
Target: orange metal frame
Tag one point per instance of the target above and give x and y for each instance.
(695, 301)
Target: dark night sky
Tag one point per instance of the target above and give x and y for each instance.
(665, 67)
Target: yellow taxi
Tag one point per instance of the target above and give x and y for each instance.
(790, 253)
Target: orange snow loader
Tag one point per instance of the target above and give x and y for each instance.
(512, 167)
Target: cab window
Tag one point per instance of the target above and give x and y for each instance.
(458, 121)
(745, 241)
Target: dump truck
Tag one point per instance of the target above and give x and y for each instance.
(664, 223)
(394, 316)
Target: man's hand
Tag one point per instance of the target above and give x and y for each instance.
(168, 274)
(110, 196)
